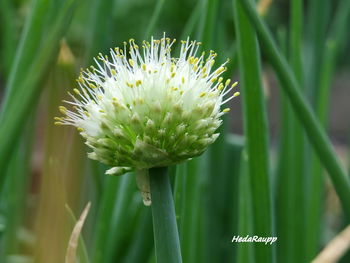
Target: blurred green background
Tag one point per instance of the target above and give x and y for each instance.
(262, 171)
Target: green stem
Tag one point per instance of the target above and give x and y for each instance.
(291, 175)
(166, 237)
(255, 130)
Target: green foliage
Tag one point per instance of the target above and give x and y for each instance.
(256, 132)
(243, 185)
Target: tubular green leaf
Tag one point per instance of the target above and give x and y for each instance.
(256, 131)
(313, 129)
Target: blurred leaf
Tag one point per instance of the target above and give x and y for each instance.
(81, 248)
(154, 18)
(27, 48)
(256, 131)
(8, 34)
(100, 28)
(335, 249)
(141, 246)
(334, 42)
(15, 191)
(235, 190)
(125, 214)
(319, 11)
(24, 92)
(306, 116)
(114, 216)
(245, 214)
(291, 172)
(188, 186)
(74, 238)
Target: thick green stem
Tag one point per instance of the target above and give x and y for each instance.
(166, 237)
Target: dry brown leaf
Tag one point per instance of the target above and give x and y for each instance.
(73, 240)
(335, 249)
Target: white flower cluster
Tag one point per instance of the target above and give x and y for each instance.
(142, 108)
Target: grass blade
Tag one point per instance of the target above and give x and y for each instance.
(256, 131)
(319, 17)
(336, 248)
(104, 218)
(15, 191)
(142, 242)
(214, 181)
(15, 114)
(125, 210)
(245, 224)
(332, 49)
(236, 173)
(207, 24)
(191, 23)
(8, 29)
(291, 169)
(100, 33)
(29, 43)
(155, 16)
(188, 209)
(81, 249)
(74, 238)
(305, 114)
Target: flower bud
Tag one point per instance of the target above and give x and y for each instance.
(148, 109)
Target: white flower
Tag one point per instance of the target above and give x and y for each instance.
(143, 108)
